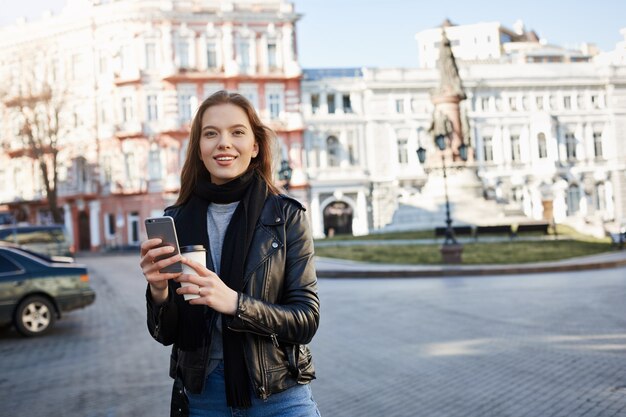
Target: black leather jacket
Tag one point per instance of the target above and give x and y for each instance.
(278, 310)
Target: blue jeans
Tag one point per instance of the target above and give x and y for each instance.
(297, 401)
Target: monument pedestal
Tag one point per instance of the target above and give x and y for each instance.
(452, 254)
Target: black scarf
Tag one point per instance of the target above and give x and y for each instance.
(251, 191)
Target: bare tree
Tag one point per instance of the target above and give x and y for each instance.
(36, 101)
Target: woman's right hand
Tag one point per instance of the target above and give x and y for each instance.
(150, 250)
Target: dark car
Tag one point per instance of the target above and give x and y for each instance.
(35, 289)
(51, 240)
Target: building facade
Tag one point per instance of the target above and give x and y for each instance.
(126, 78)
(545, 124)
(546, 127)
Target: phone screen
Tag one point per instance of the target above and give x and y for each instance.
(164, 229)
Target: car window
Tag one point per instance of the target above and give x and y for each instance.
(7, 266)
(25, 237)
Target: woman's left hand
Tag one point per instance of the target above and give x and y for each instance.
(212, 290)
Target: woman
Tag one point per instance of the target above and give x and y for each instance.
(241, 347)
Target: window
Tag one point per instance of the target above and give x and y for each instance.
(330, 99)
(251, 92)
(243, 49)
(484, 103)
(542, 146)
(400, 106)
(525, 102)
(347, 105)
(403, 155)
(108, 172)
(570, 145)
(183, 54)
(552, 101)
(125, 57)
(580, 101)
(515, 148)
(271, 55)
(211, 55)
(150, 55)
(599, 197)
(513, 103)
(539, 102)
(130, 166)
(595, 101)
(154, 164)
(274, 104)
(573, 200)
(152, 107)
(315, 103)
(488, 148)
(184, 106)
(127, 109)
(332, 151)
(78, 64)
(103, 64)
(567, 102)
(111, 222)
(597, 144)
(7, 266)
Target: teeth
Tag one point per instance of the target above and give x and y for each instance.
(225, 158)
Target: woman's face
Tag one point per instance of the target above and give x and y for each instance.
(227, 143)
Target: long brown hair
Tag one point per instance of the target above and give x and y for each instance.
(193, 166)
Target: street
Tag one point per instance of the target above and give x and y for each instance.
(535, 345)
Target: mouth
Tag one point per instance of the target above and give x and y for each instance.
(224, 158)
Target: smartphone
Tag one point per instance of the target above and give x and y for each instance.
(164, 229)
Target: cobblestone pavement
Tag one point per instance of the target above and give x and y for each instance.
(541, 345)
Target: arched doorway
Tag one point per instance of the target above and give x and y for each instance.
(338, 219)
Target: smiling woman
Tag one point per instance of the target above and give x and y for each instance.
(242, 342)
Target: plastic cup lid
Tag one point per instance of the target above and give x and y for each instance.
(192, 248)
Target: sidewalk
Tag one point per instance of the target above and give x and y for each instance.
(339, 268)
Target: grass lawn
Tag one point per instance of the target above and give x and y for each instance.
(473, 253)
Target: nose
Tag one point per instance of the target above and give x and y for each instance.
(224, 142)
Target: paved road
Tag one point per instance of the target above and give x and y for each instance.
(538, 345)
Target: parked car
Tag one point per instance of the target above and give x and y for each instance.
(35, 289)
(49, 240)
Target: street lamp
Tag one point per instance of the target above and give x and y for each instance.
(284, 174)
(440, 141)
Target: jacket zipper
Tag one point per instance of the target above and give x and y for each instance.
(265, 332)
(260, 329)
(157, 325)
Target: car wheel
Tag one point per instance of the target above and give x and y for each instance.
(34, 316)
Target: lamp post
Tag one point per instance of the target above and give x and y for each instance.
(284, 174)
(451, 249)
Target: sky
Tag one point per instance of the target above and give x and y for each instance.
(357, 33)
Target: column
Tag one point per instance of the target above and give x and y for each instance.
(94, 224)
(317, 221)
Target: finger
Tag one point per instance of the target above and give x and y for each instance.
(192, 279)
(167, 262)
(158, 277)
(188, 289)
(197, 266)
(160, 251)
(146, 245)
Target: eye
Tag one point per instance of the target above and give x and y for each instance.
(209, 133)
(239, 132)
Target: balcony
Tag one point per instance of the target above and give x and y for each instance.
(130, 129)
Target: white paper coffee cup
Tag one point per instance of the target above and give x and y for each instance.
(196, 253)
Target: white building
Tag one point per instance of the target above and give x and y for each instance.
(548, 137)
(130, 74)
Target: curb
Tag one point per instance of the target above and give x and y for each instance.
(452, 271)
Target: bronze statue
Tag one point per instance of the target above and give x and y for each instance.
(450, 82)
